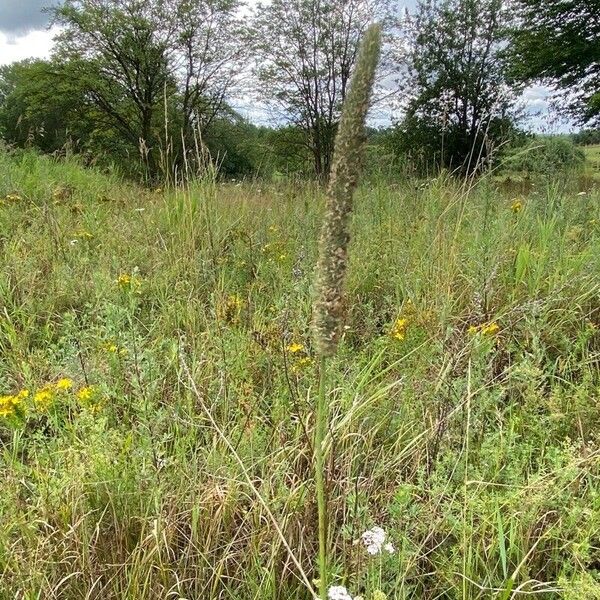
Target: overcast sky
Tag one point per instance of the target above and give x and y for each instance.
(25, 33)
(24, 30)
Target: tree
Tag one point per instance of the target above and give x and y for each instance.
(44, 104)
(306, 50)
(212, 47)
(118, 51)
(459, 106)
(39, 105)
(558, 43)
(144, 63)
(586, 137)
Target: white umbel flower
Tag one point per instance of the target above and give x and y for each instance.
(338, 592)
(389, 547)
(373, 539)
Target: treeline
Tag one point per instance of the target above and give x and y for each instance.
(152, 87)
(586, 137)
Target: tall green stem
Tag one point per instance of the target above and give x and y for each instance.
(328, 306)
(320, 430)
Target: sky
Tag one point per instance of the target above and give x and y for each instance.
(25, 32)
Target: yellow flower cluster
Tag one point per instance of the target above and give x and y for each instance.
(89, 397)
(409, 315)
(85, 394)
(398, 331)
(231, 309)
(516, 206)
(10, 404)
(112, 348)
(487, 329)
(10, 198)
(129, 282)
(300, 359)
(44, 398)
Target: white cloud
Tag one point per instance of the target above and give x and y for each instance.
(540, 114)
(536, 98)
(35, 44)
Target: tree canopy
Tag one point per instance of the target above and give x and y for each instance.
(305, 52)
(457, 101)
(558, 43)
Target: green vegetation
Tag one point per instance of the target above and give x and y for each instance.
(464, 396)
(141, 85)
(556, 42)
(545, 156)
(459, 108)
(592, 157)
(199, 400)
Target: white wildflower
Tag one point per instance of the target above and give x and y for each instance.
(389, 547)
(338, 592)
(373, 540)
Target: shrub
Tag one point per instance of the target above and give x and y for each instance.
(545, 156)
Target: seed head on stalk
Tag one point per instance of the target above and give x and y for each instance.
(333, 258)
(347, 164)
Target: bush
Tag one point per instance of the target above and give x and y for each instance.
(545, 156)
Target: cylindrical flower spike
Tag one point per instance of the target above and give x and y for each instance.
(333, 258)
(347, 164)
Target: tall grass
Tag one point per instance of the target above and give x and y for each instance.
(477, 452)
(333, 257)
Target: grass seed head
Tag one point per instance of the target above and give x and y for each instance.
(347, 163)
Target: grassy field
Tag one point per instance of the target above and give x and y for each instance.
(465, 401)
(592, 155)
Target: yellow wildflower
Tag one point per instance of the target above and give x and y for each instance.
(21, 396)
(516, 206)
(8, 404)
(12, 198)
(124, 280)
(85, 394)
(295, 347)
(490, 329)
(398, 331)
(82, 233)
(44, 398)
(302, 364)
(64, 384)
(112, 348)
(230, 310)
(128, 282)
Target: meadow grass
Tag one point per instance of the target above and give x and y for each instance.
(592, 156)
(464, 395)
